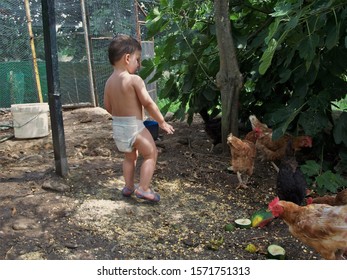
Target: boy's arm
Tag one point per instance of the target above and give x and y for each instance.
(150, 106)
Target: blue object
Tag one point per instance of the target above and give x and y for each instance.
(153, 128)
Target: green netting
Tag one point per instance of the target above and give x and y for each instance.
(106, 18)
(18, 84)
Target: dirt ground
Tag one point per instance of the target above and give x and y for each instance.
(84, 215)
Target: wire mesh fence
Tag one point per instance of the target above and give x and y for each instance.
(16, 71)
(84, 29)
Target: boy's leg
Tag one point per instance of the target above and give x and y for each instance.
(129, 165)
(146, 146)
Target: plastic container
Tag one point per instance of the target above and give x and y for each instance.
(153, 128)
(30, 120)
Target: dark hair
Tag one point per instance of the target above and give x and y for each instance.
(120, 45)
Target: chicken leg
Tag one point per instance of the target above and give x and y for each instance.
(242, 183)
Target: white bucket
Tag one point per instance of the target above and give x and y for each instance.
(30, 120)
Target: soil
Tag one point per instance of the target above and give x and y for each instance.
(84, 216)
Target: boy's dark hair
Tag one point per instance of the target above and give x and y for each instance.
(120, 45)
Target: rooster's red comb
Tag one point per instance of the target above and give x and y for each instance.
(274, 202)
(309, 200)
(309, 140)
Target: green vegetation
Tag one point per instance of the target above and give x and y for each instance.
(340, 105)
(292, 55)
(166, 105)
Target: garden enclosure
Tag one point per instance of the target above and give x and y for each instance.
(84, 29)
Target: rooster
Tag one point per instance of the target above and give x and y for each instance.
(291, 183)
(320, 226)
(243, 153)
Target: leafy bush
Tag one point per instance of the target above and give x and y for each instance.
(322, 181)
(292, 55)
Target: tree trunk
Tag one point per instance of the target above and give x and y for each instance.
(229, 79)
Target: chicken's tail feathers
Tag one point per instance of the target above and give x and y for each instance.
(230, 136)
(236, 143)
(232, 140)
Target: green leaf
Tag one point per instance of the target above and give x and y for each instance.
(307, 49)
(329, 181)
(285, 75)
(293, 22)
(289, 58)
(164, 3)
(310, 168)
(313, 121)
(155, 26)
(180, 113)
(272, 30)
(177, 4)
(267, 57)
(147, 68)
(156, 11)
(288, 116)
(188, 83)
(169, 88)
(332, 37)
(282, 9)
(209, 94)
(340, 130)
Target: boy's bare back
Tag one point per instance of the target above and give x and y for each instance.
(121, 96)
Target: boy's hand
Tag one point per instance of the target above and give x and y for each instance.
(167, 128)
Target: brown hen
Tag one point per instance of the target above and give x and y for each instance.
(334, 200)
(273, 150)
(258, 124)
(320, 226)
(243, 153)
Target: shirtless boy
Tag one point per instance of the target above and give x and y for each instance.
(125, 98)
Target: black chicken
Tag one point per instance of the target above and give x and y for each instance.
(213, 127)
(291, 183)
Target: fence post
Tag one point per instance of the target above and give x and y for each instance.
(33, 51)
(51, 53)
(88, 51)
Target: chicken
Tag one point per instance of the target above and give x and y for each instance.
(213, 127)
(320, 226)
(273, 150)
(243, 153)
(257, 124)
(334, 200)
(291, 183)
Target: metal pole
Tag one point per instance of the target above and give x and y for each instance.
(89, 60)
(51, 54)
(138, 29)
(33, 51)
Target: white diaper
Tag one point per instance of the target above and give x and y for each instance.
(125, 130)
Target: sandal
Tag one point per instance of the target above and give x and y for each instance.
(150, 195)
(127, 192)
